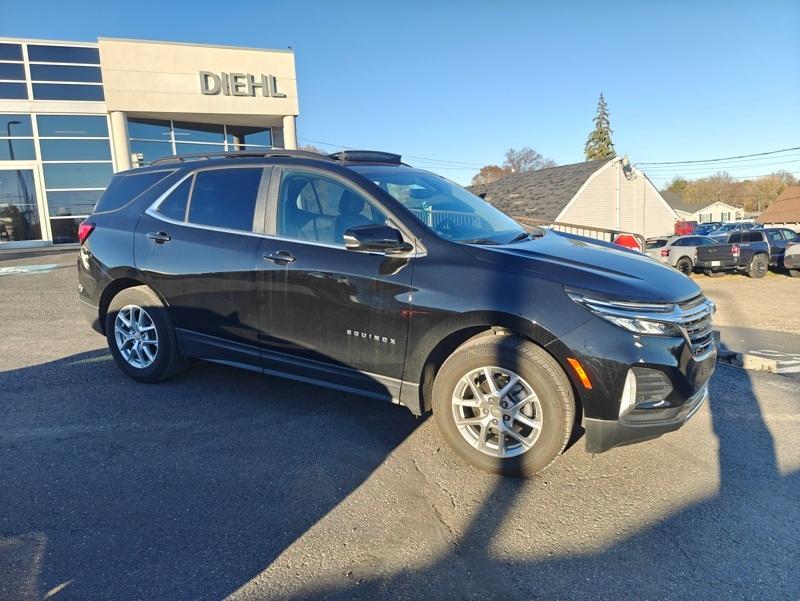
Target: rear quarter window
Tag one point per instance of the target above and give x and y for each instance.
(124, 188)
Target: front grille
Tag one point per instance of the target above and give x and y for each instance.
(696, 320)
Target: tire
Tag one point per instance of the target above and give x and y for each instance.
(159, 357)
(539, 373)
(685, 266)
(795, 273)
(759, 265)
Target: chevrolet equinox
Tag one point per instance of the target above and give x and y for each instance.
(358, 272)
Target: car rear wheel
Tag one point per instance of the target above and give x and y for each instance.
(759, 265)
(684, 265)
(140, 336)
(504, 404)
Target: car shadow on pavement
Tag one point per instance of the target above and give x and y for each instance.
(183, 490)
(740, 543)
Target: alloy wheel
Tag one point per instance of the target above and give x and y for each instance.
(497, 412)
(136, 336)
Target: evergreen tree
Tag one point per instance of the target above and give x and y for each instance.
(599, 144)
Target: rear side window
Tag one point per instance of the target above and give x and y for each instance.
(124, 188)
(752, 237)
(174, 205)
(225, 197)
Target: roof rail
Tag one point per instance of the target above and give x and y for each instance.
(274, 152)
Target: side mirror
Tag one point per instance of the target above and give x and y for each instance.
(376, 238)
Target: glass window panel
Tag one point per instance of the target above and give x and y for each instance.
(11, 52)
(65, 73)
(124, 188)
(77, 175)
(63, 54)
(15, 125)
(65, 231)
(148, 129)
(225, 198)
(305, 196)
(13, 91)
(75, 150)
(70, 126)
(198, 148)
(12, 71)
(19, 212)
(17, 150)
(249, 136)
(65, 91)
(72, 202)
(174, 206)
(198, 132)
(151, 151)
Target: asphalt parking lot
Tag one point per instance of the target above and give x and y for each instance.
(222, 483)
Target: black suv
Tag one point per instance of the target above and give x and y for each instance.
(363, 274)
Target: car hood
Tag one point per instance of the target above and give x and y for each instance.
(594, 267)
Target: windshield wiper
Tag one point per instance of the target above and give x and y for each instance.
(537, 233)
(479, 241)
(519, 237)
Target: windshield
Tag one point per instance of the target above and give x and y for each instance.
(445, 207)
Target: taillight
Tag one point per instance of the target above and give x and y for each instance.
(664, 252)
(84, 229)
(735, 250)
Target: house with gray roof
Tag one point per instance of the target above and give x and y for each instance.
(703, 212)
(610, 194)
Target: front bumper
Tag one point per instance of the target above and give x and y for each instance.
(602, 434)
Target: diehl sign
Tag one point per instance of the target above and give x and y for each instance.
(239, 84)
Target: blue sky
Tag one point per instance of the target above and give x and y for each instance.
(462, 82)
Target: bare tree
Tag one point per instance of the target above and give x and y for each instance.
(526, 159)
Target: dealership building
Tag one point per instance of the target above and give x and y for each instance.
(73, 113)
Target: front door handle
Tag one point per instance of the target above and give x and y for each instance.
(158, 237)
(280, 257)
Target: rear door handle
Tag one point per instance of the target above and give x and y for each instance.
(280, 257)
(158, 237)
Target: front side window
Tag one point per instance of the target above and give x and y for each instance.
(775, 236)
(320, 209)
(447, 208)
(225, 198)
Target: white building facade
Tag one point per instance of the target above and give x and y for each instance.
(73, 113)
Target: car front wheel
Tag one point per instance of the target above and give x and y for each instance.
(141, 337)
(504, 404)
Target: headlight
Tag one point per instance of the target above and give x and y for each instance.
(641, 318)
(643, 326)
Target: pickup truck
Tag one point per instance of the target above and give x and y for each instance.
(752, 251)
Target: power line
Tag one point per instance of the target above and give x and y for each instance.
(733, 164)
(673, 172)
(666, 177)
(741, 156)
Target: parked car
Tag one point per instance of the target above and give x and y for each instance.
(791, 258)
(363, 274)
(678, 251)
(722, 232)
(752, 251)
(704, 229)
